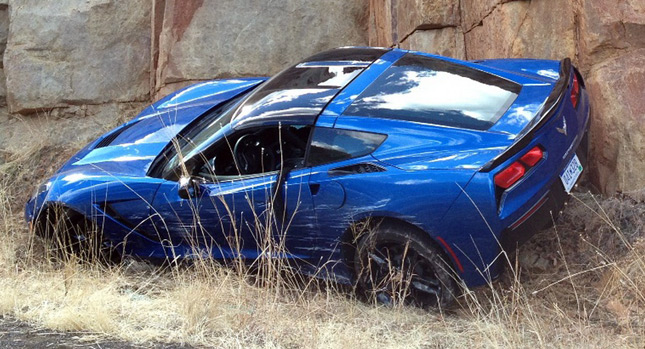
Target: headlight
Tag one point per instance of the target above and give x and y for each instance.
(42, 188)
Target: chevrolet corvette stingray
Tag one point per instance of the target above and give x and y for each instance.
(376, 165)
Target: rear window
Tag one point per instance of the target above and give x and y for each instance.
(429, 90)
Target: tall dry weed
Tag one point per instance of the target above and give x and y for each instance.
(579, 284)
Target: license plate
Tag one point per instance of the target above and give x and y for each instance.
(571, 173)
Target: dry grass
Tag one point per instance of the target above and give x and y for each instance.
(580, 284)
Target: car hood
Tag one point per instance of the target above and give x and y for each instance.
(123, 159)
(131, 148)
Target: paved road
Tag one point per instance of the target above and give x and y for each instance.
(16, 334)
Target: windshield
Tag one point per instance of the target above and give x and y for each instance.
(199, 135)
(296, 96)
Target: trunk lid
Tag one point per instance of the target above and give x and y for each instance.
(535, 106)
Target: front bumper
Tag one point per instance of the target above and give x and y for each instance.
(546, 211)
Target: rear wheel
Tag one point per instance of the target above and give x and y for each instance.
(398, 265)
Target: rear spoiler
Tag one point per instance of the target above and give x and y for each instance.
(544, 115)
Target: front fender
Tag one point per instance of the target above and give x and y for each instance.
(84, 193)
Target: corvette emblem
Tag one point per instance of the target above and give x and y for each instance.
(563, 130)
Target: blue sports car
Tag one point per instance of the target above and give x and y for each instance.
(375, 165)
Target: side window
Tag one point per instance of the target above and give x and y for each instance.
(332, 145)
(254, 152)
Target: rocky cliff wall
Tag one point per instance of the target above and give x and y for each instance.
(76, 67)
(202, 39)
(102, 60)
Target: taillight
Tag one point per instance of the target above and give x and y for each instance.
(532, 157)
(575, 91)
(510, 175)
(513, 173)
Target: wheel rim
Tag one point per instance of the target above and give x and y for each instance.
(397, 273)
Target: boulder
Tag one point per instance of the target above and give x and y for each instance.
(618, 123)
(62, 53)
(494, 37)
(228, 38)
(446, 42)
(609, 27)
(425, 14)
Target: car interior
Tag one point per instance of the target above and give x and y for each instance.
(256, 151)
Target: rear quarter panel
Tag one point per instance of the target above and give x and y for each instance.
(415, 146)
(420, 197)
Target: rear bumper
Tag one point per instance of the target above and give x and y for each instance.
(547, 209)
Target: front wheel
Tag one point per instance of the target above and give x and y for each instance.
(68, 234)
(398, 265)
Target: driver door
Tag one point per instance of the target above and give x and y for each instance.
(233, 215)
(233, 218)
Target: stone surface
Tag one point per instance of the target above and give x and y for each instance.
(608, 27)
(474, 11)
(156, 26)
(425, 14)
(556, 40)
(495, 36)
(225, 38)
(446, 42)
(381, 30)
(4, 32)
(3, 89)
(62, 53)
(4, 29)
(618, 123)
(71, 127)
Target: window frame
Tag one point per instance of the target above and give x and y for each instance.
(160, 167)
(201, 159)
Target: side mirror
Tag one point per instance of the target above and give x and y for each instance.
(188, 188)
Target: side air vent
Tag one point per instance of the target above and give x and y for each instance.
(112, 136)
(364, 167)
(110, 211)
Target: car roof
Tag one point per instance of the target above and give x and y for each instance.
(298, 94)
(320, 88)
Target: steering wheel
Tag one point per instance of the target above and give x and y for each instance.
(251, 156)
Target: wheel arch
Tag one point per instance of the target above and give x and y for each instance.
(352, 235)
(55, 207)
